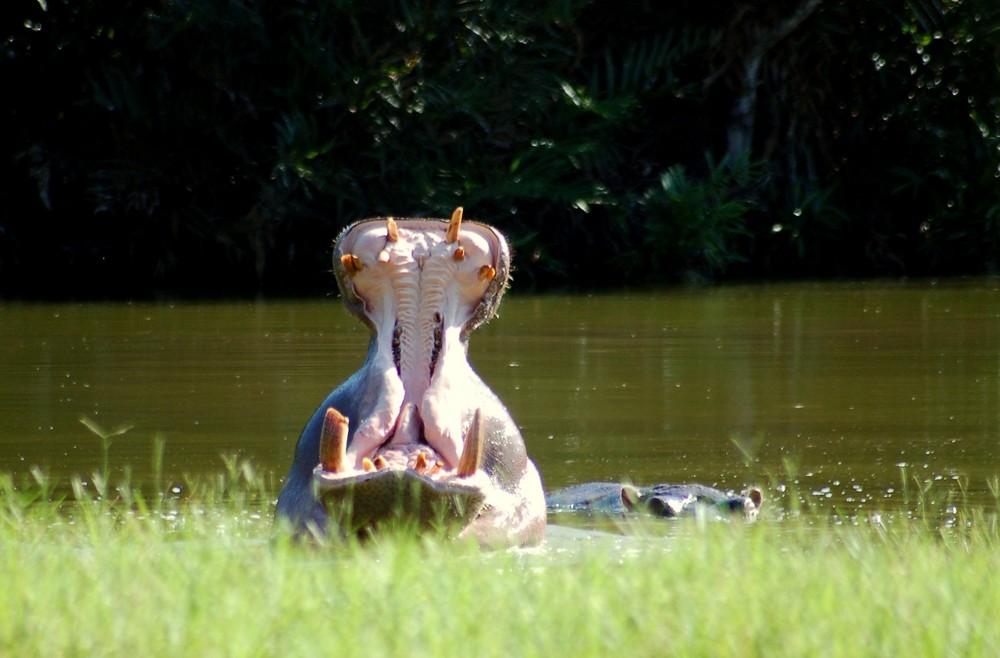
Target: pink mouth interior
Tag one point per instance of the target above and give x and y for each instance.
(421, 283)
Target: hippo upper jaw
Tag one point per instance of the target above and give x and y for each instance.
(421, 286)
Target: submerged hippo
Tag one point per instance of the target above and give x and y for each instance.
(668, 500)
(415, 436)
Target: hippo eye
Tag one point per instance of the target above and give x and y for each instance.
(657, 508)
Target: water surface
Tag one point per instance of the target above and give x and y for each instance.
(833, 389)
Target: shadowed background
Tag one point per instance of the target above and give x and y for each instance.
(197, 147)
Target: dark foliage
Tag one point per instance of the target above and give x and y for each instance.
(197, 147)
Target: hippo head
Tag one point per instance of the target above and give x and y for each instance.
(415, 433)
(673, 500)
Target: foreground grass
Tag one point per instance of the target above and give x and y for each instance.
(205, 575)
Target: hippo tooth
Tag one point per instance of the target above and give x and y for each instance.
(383, 256)
(391, 230)
(380, 463)
(333, 441)
(421, 463)
(486, 273)
(472, 451)
(367, 466)
(351, 263)
(451, 235)
(459, 254)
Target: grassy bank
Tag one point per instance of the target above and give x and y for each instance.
(202, 573)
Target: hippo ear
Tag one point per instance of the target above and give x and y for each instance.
(630, 497)
(755, 495)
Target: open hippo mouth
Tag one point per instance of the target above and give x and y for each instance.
(401, 484)
(416, 453)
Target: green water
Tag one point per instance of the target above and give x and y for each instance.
(851, 383)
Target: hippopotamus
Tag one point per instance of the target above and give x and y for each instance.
(415, 435)
(664, 500)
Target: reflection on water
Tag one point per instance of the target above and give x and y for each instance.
(828, 389)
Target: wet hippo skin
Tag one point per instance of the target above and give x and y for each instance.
(415, 435)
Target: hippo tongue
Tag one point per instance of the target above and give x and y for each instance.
(421, 285)
(408, 427)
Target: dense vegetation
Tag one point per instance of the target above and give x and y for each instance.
(205, 146)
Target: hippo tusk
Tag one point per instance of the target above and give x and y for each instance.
(486, 273)
(391, 235)
(451, 235)
(333, 441)
(472, 451)
(380, 463)
(426, 466)
(459, 254)
(351, 263)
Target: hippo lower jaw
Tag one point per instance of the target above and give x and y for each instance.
(408, 482)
